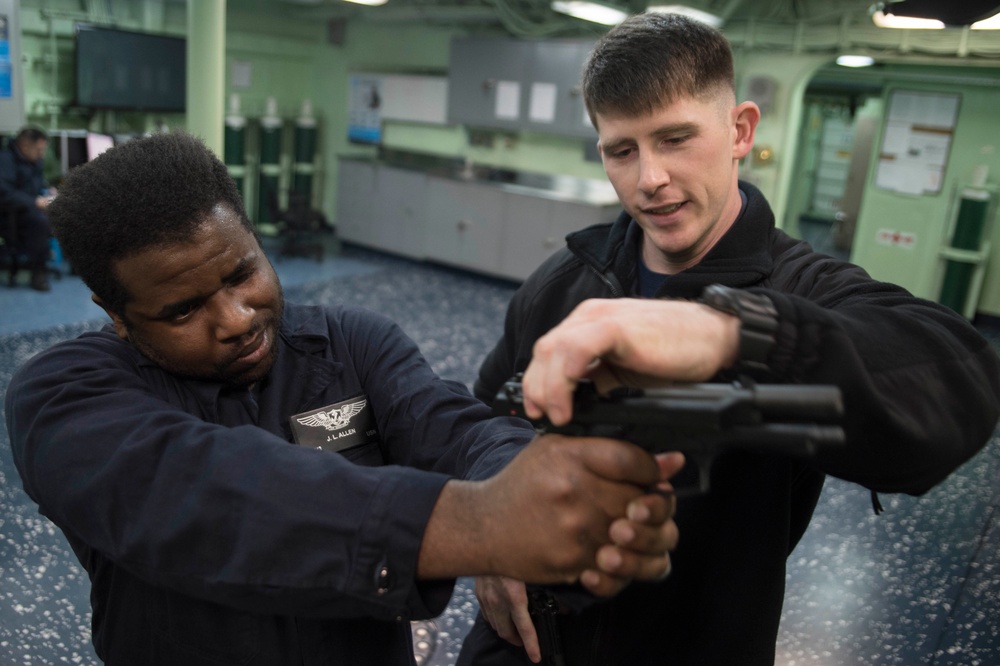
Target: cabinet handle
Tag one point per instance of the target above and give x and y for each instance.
(489, 84)
(463, 225)
(549, 243)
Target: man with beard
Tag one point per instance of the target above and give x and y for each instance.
(164, 448)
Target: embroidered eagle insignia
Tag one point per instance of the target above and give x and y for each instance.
(336, 418)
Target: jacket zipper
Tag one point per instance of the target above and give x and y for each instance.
(609, 280)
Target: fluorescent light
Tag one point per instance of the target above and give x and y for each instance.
(884, 20)
(590, 11)
(855, 61)
(370, 3)
(991, 23)
(690, 12)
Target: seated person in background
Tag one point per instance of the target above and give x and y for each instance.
(920, 386)
(24, 196)
(248, 481)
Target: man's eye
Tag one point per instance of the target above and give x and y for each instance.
(619, 154)
(183, 312)
(242, 276)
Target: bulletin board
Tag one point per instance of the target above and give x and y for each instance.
(377, 97)
(918, 133)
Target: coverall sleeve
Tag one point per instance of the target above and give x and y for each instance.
(233, 515)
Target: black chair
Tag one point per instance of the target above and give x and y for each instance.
(11, 258)
(304, 231)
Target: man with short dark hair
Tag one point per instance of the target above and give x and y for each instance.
(24, 196)
(164, 447)
(735, 296)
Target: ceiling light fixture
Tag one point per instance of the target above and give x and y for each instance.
(690, 12)
(590, 11)
(370, 3)
(855, 61)
(883, 20)
(991, 23)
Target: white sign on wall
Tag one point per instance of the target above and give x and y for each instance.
(915, 144)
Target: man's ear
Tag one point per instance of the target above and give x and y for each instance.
(745, 119)
(116, 319)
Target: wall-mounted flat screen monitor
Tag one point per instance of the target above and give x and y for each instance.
(129, 71)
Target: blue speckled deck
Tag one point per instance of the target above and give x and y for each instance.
(919, 584)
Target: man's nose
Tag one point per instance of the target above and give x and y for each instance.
(233, 317)
(653, 173)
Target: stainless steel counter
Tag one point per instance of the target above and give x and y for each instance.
(560, 188)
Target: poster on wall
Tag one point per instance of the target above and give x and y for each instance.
(364, 122)
(6, 68)
(918, 132)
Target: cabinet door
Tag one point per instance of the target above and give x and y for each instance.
(568, 217)
(556, 68)
(535, 228)
(464, 224)
(527, 240)
(355, 192)
(486, 82)
(399, 211)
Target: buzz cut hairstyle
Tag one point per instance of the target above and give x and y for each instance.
(650, 60)
(150, 191)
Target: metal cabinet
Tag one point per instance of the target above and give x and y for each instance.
(558, 66)
(465, 224)
(501, 231)
(484, 77)
(355, 193)
(518, 85)
(398, 204)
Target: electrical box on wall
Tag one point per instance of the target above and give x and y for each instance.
(11, 84)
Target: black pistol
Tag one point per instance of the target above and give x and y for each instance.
(700, 420)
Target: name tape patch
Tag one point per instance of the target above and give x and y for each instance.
(336, 427)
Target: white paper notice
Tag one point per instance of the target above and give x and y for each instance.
(508, 101)
(542, 108)
(916, 140)
(242, 74)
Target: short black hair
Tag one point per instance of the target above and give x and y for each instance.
(649, 60)
(31, 134)
(149, 191)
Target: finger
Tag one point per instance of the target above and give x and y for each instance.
(620, 461)
(653, 508)
(644, 539)
(547, 386)
(526, 632)
(602, 584)
(670, 463)
(624, 563)
(561, 358)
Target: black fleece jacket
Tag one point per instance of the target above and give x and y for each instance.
(921, 393)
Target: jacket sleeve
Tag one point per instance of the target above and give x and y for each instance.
(232, 515)
(426, 421)
(500, 363)
(921, 386)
